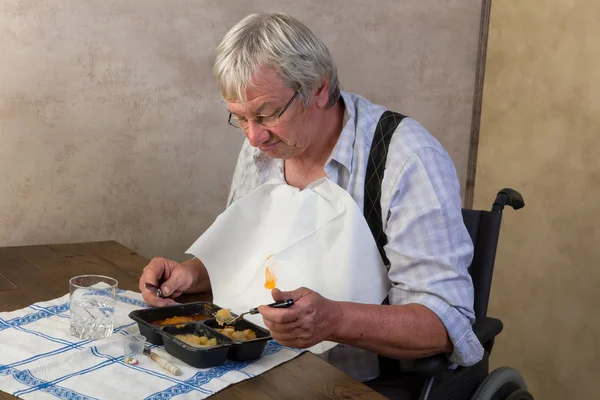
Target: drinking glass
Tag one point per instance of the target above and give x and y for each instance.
(93, 299)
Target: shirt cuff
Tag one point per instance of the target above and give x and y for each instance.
(467, 348)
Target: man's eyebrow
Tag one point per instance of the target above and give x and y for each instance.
(263, 106)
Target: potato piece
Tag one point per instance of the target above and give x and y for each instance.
(229, 331)
(197, 341)
(203, 340)
(249, 334)
(238, 335)
(226, 332)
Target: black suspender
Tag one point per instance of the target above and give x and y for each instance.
(386, 127)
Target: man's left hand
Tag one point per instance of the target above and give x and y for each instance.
(311, 320)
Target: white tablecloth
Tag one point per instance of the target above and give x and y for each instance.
(39, 359)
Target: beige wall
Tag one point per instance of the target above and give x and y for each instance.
(540, 134)
(111, 126)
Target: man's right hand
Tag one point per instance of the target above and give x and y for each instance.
(172, 277)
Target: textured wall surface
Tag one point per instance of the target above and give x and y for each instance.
(111, 125)
(540, 134)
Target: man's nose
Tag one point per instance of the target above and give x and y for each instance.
(256, 133)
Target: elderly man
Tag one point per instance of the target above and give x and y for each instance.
(282, 91)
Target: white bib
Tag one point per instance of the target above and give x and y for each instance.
(280, 236)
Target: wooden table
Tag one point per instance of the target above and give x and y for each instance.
(31, 274)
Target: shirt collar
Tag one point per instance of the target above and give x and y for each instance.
(343, 152)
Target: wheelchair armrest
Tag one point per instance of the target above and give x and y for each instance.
(485, 330)
(431, 366)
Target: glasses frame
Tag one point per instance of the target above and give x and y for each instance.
(289, 103)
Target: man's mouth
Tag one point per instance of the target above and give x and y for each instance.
(268, 146)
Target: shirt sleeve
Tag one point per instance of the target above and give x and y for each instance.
(429, 247)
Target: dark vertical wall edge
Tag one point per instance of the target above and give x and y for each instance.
(477, 102)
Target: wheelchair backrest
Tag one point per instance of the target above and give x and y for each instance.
(484, 229)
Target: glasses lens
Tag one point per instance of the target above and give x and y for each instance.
(234, 121)
(268, 122)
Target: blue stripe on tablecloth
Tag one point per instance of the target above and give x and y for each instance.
(40, 308)
(133, 302)
(33, 317)
(97, 353)
(203, 377)
(37, 307)
(123, 329)
(47, 337)
(26, 378)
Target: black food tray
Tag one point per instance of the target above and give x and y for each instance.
(199, 357)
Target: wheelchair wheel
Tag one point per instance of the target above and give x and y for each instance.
(504, 383)
(520, 394)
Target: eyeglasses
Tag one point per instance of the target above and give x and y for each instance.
(268, 121)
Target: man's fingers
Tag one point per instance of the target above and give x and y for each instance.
(282, 328)
(291, 340)
(155, 301)
(152, 300)
(168, 302)
(278, 295)
(279, 315)
(179, 281)
(152, 273)
(285, 337)
(156, 270)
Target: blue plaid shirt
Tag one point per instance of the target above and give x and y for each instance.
(429, 248)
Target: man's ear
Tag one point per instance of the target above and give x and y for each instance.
(322, 93)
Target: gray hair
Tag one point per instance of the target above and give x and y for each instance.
(279, 42)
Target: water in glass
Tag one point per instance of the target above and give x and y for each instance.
(93, 299)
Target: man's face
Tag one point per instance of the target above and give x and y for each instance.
(292, 134)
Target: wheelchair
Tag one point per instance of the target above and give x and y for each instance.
(475, 382)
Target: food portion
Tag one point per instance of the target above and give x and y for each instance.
(197, 341)
(223, 316)
(181, 319)
(230, 331)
